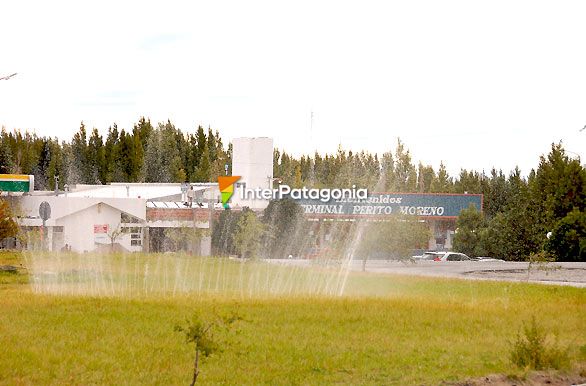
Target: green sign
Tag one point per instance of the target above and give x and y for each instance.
(16, 183)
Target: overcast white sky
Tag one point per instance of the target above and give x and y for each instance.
(474, 84)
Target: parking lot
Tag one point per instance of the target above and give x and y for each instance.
(573, 274)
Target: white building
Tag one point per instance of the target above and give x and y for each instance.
(142, 216)
(252, 160)
(121, 216)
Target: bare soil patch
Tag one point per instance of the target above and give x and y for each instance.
(537, 378)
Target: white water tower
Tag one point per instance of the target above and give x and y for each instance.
(252, 159)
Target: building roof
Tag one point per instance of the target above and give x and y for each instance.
(147, 191)
(178, 205)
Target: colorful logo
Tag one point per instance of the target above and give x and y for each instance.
(226, 185)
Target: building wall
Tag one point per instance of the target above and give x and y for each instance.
(73, 218)
(78, 229)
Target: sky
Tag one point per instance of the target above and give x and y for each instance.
(468, 83)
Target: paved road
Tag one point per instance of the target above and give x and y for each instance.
(573, 274)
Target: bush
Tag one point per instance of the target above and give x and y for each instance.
(568, 238)
(534, 349)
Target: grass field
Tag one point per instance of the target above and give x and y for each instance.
(385, 330)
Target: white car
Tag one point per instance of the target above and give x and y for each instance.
(431, 256)
(485, 259)
(452, 256)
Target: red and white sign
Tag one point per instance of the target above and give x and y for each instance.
(102, 228)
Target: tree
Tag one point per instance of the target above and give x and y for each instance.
(567, 241)
(249, 232)
(393, 238)
(129, 157)
(469, 182)
(6, 158)
(203, 169)
(285, 233)
(110, 171)
(162, 159)
(142, 131)
(200, 143)
(388, 171)
(405, 173)
(200, 333)
(41, 169)
(153, 160)
(557, 188)
(79, 168)
(113, 234)
(96, 158)
(425, 178)
(496, 193)
(56, 165)
(442, 183)
(8, 226)
(223, 233)
(468, 226)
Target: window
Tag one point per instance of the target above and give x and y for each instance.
(127, 218)
(453, 257)
(131, 230)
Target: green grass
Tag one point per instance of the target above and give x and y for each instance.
(386, 330)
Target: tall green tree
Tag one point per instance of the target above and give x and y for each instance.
(469, 227)
(249, 233)
(442, 183)
(96, 158)
(79, 167)
(405, 172)
(142, 131)
(285, 227)
(6, 157)
(111, 168)
(204, 168)
(41, 169)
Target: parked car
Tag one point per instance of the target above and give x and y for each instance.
(452, 256)
(431, 256)
(485, 259)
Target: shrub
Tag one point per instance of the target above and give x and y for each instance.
(535, 349)
(200, 332)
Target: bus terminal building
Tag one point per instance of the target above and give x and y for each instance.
(438, 210)
(138, 217)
